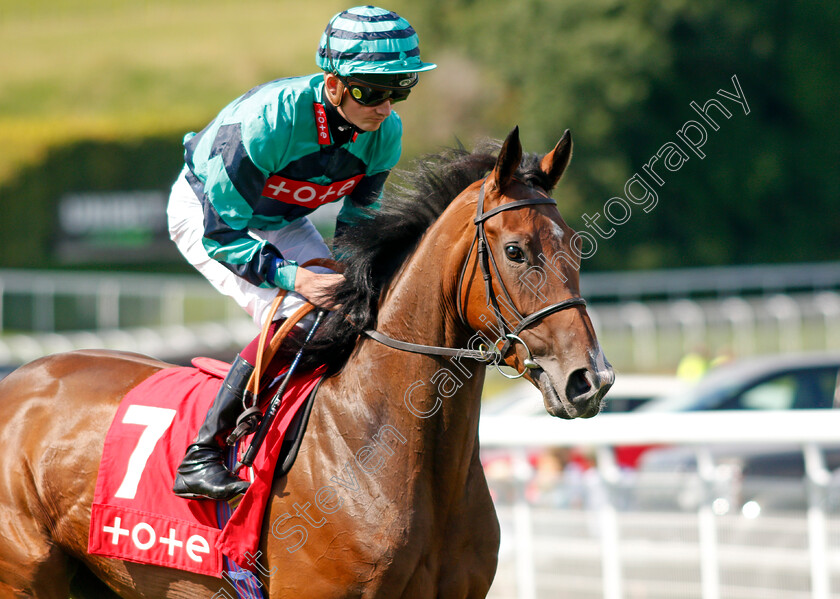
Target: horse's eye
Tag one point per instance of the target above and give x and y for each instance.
(514, 253)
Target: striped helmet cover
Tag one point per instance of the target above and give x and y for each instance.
(367, 39)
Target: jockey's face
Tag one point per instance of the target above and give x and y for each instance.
(366, 118)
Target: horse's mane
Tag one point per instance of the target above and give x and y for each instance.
(375, 248)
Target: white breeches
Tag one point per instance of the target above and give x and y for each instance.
(298, 241)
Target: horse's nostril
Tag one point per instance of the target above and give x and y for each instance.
(578, 385)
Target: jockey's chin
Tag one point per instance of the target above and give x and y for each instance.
(368, 122)
(370, 125)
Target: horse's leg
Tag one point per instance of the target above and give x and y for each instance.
(85, 585)
(142, 581)
(471, 551)
(30, 565)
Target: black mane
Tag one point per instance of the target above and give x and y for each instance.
(375, 248)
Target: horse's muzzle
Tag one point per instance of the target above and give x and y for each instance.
(582, 393)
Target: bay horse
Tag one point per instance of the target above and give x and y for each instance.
(453, 261)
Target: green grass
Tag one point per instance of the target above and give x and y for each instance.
(112, 70)
(107, 69)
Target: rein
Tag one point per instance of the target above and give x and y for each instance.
(485, 258)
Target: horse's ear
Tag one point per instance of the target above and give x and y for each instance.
(555, 162)
(508, 161)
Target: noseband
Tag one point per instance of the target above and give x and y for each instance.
(486, 260)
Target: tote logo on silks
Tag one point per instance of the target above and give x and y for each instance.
(305, 193)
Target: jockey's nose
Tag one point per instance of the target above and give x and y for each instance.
(384, 108)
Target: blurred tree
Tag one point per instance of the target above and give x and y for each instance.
(621, 75)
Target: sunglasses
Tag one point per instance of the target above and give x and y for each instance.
(367, 94)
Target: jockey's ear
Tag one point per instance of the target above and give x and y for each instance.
(334, 88)
(508, 161)
(555, 162)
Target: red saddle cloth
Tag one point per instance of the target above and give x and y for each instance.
(136, 517)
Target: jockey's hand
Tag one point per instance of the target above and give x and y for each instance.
(318, 288)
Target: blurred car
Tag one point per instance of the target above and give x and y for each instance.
(755, 477)
(784, 382)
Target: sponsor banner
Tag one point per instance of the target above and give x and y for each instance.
(114, 226)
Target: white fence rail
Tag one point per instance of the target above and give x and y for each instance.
(643, 336)
(43, 301)
(722, 281)
(646, 320)
(610, 548)
(166, 316)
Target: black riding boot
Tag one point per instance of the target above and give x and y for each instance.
(202, 473)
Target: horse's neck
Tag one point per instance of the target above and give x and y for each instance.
(432, 402)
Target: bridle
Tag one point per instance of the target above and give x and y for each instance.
(486, 260)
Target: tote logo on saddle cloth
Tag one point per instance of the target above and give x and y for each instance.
(306, 193)
(134, 515)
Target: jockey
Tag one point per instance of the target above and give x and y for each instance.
(238, 210)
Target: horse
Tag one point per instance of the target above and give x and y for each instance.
(441, 283)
